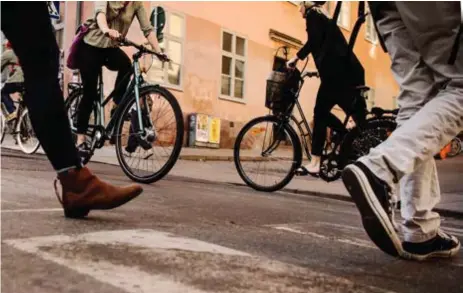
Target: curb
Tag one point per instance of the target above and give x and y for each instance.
(340, 197)
(205, 158)
(442, 212)
(200, 158)
(334, 196)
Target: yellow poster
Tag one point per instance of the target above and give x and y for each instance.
(214, 130)
(202, 125)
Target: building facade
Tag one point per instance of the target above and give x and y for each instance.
(223, 52)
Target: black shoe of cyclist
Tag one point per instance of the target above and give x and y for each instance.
(84, 152)
(441, 246)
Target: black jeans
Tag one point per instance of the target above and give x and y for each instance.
(27, 26)
(329, 95)
(7, 90)
(91, 60)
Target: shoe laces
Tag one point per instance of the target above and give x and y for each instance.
(391, 207)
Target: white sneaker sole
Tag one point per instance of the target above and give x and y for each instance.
(437, 254)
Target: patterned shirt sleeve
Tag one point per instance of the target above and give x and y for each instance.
(145, 24)
(100, 7)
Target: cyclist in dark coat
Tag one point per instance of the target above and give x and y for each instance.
(339, 76)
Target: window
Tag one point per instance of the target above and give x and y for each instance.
(233, 66)
(370, 30)
(170, 74)
(344, 15)
(371, 99)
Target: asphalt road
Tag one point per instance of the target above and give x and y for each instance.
(186, 236)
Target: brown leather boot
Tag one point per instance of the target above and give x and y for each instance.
(83, 191)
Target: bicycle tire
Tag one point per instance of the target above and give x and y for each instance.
(177, 147)
(296, 160)
(34, 149)
(2, 127)
(382, 127)
(78, 93)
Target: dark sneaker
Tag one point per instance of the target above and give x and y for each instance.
(441, 246)
(373, 199)
(84, 152)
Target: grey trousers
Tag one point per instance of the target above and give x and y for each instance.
(419, 37)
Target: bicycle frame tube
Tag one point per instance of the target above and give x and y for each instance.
(303, 133)
(101, 100)
(136, 67)
(133, 86)
(112, 121)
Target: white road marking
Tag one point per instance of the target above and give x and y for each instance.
(130, 279)
(342, 226)
(353, 241)
(356, 242)
(75, 252)
(32, 210)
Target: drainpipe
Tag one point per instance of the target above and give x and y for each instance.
(78, 13)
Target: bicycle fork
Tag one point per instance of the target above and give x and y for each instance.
(148, 134)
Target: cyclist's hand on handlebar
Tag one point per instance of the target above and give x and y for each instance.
(113, 34)
(163, 57)
(291, 64)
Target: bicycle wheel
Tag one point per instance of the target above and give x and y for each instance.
(2, 127)
(360, 141)
(267, 153)
(72, 106)
(148, 159)
(26, 138)
(455, 147)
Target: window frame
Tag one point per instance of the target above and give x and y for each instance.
(234, 57)
(168, 37)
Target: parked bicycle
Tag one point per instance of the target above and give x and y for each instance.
(148, 115)
(268, 150)
(455, 147)
(21, 128)
(452, 149)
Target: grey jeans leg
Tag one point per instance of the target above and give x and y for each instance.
(430, 112)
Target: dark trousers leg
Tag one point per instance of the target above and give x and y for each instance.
(323, 105)
(9, 88)
(27, 26)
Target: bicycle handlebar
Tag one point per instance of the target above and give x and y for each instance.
(309, 74)
(142, 49)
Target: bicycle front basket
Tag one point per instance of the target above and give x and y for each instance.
(274, 90)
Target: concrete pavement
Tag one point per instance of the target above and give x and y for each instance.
(182, 236)
(216, 165)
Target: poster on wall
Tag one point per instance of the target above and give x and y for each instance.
(202, 125)
(214, 130)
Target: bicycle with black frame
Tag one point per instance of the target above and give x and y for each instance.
(148, 118)
(268, 151)
(20, 128)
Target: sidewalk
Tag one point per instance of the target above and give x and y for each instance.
(218, 166)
